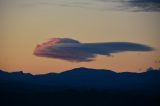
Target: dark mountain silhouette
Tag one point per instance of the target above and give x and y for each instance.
(93, 87)
(85, 78)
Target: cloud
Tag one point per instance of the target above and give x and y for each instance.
(117, 5)
(137, 5)
(145, 5)
(74, 51)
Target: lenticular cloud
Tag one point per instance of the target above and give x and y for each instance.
(74, 51)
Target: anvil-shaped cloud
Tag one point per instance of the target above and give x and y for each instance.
(74, 51)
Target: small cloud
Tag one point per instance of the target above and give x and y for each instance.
(74, 51)
(137, 5)
(144, 5)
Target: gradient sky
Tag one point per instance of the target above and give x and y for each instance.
(26, 23)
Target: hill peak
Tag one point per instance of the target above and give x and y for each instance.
(87, 71)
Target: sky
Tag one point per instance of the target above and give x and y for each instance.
(28, 23)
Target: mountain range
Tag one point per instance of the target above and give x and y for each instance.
(80, 87)
(83, 79)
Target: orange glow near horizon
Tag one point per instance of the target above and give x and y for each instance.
(131, 62)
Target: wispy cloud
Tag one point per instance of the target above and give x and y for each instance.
(137, 5)
(117, 5)
(74, 51)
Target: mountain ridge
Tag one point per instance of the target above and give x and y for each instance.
(84, 78)
(81, 69)
(80, 87)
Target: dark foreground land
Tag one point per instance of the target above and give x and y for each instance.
(80, 87)
(79, 98)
